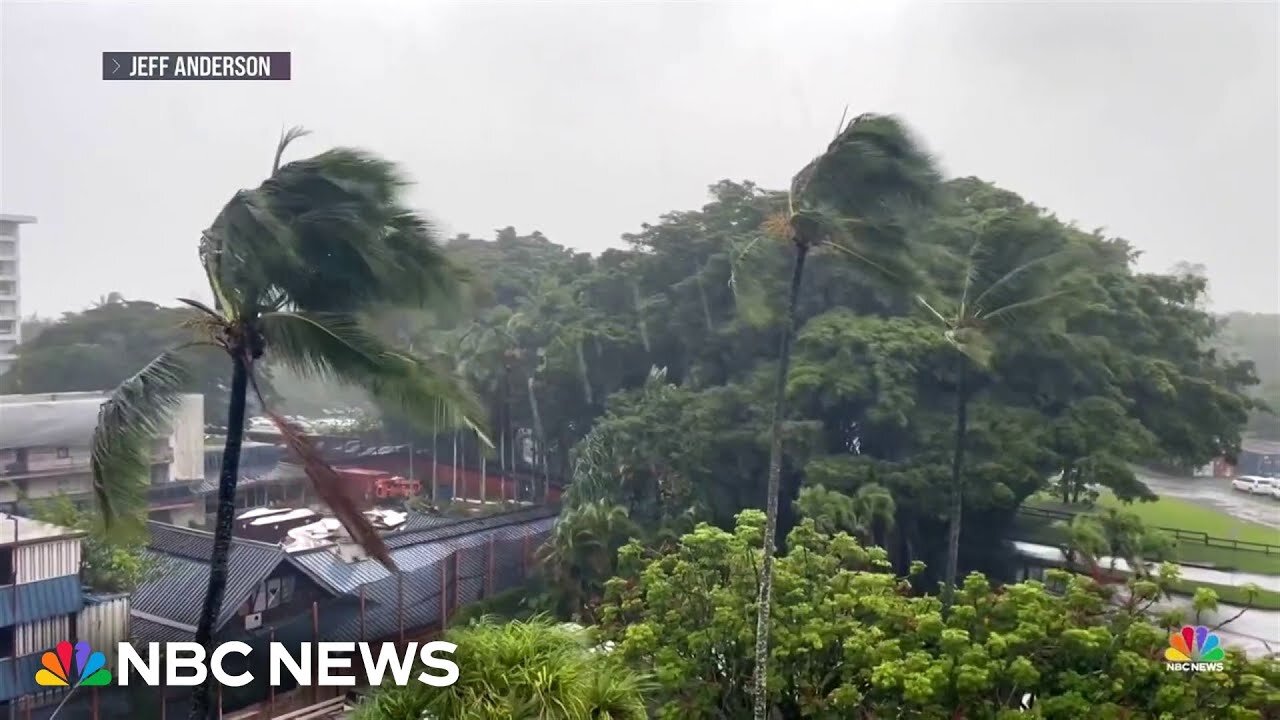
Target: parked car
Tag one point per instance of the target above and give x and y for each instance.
(1256, 485)
(1275, 490)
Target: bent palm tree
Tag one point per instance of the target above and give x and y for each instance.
(290, 264)
(853, 198)
(998, 286)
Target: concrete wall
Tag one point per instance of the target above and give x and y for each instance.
(187, 440)
(105, 624)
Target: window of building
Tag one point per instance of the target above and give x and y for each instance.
(7, 287)
(64, 453)
(6, 566)
(7, 327)
(8, 267)
(8, 307)
(7, 645)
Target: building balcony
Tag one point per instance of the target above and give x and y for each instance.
(21, 469)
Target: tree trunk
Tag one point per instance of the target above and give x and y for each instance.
(454, 497)
(504, 421)
(765, 599)
(957, 486)
(702, 297)
(542, 440)
(584, 374)
(644, 329)
(484, 474)
(228, 475)
(1066, 484)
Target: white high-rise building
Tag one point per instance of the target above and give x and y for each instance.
(10, 290)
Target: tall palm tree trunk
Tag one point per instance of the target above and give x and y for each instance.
(435, 463)
(223, 524)
(957, 489)
(542, 440)
(484, 475)
(765, 599)
(454, 496)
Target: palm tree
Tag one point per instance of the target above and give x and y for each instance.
(579, 556)
(853, 198)
(290, 264)
(867, 514)
(1008, 275)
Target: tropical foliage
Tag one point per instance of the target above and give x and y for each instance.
(293, 265)
(523, 669)
(852, 641)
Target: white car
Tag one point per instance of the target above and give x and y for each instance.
(1256, 485)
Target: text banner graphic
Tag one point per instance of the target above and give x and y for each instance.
(196, 66)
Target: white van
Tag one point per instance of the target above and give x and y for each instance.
(1255, 484)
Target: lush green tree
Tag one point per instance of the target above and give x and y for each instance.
(838, 201)
(520, 669)
(111, 559)
(1118, 535)
(580, 554)
(291, 264)
(1015, 264)
(99, 348)
(866, 515)
(852, 642)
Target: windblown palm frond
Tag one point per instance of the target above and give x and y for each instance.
(128, 423)
(335, 346)
(326, 233)
(333, 491)
(864, 195)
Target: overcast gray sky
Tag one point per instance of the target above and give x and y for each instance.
(1157, 121)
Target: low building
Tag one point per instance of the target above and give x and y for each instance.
(42, 603)
(45, 444)
(1259, 457)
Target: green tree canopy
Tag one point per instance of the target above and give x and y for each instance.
(851, 642)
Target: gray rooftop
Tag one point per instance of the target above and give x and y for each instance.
(20, 530)
(176, 592)
(56, 420)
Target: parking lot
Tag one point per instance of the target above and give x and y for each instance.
(1217, 493)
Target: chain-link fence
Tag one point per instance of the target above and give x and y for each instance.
(437, 578)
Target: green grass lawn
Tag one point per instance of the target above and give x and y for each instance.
(1183, 515)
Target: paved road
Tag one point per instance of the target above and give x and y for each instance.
(1257, 632)
(1217, 493)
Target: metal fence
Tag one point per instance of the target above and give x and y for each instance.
(436, 580)
(1186, 536)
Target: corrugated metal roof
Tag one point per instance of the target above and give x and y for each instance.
(38, 600)
(176, 591)
(142, 630)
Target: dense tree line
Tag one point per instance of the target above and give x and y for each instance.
(956, 349)
(651, 367)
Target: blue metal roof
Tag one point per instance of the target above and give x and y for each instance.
(28, 602)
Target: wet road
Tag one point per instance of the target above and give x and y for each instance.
(1257, 632)
(1216, 493)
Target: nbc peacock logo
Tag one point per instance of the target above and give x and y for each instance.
(1194, 649)
(90, 667)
